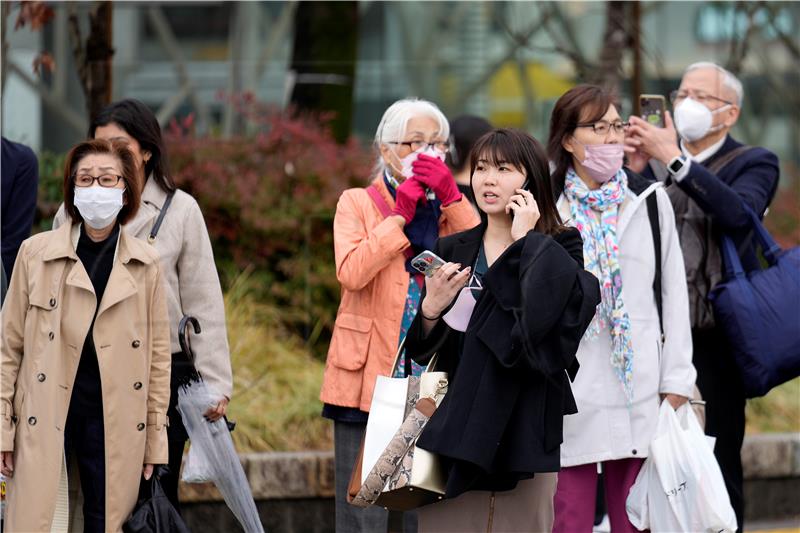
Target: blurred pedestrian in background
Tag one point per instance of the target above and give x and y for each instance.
(172, 222)
(712, 180)
(627, 366)
(85, 353)
(20, 179)
(412, 201)
(464, 131)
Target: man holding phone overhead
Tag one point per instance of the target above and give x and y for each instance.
(712, 180)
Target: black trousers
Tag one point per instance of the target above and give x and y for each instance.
(176, 432)
(720, 383)
(84, 438)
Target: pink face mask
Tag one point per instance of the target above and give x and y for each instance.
(602, 161)
(406, 162)
(458, 316)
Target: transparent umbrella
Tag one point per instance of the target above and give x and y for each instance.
(212, 456)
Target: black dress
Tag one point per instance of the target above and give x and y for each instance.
(501, 420)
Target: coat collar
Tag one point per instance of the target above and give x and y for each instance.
(63, 244)
(153, 197)
(467, 244)
(379, 184)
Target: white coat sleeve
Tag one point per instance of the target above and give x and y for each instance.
(678, 375)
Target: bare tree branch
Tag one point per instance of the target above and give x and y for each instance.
(78, 50)
(517, 42)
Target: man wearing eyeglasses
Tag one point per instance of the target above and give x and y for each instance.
(711, 179)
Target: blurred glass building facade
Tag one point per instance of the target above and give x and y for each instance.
(507, 61)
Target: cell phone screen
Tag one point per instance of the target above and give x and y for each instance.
(652, 108)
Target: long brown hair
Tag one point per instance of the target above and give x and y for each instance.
(583, 103)
(118, 149)
(521, 150)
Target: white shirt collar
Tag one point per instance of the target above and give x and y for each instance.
(705, 154)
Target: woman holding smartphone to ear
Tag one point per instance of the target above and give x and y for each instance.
(505, 315)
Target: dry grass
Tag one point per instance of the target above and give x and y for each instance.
(777, 412)
(276, 380)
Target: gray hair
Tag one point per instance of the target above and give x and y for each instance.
(728, 79)
(395, 120)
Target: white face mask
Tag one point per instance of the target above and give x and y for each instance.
(693, 120)
(406, 169)
(99, 206)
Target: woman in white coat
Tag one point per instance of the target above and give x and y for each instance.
(627, 365)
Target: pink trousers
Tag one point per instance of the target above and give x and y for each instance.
(574, 503)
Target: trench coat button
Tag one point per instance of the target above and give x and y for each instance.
(41, 377)
(51, 335)
(136, 343)
(52, 302)
(32, 420)
(137, 385)
(140, 426)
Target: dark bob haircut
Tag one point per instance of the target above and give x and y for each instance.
(523, 152)
(117, 149)
(581, 104)
(139, 122)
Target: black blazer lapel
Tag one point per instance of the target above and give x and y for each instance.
(463, 247)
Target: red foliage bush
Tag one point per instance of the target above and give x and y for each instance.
(269, 200)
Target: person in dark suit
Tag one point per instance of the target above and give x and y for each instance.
(20, 180)
(711, 174)
(505, 314)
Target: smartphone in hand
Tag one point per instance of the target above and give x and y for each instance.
(652, 107)
(427, 262)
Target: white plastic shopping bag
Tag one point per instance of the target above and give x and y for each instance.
(716, 512)
(681, 480)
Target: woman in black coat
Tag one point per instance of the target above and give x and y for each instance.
(505, 315)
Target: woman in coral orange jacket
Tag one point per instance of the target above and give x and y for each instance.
(412, 201)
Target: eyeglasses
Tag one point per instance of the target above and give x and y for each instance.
(703, 98)
(87, 180)
(602, 127)
(442, 146)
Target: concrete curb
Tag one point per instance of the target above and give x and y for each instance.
(310, 474)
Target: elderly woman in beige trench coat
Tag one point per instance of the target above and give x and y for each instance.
(171, 220)
(49, 309)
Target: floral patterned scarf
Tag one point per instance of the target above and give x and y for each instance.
(601, 257)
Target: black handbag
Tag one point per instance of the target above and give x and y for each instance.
(154, 513)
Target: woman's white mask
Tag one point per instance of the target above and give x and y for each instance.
(99, 206)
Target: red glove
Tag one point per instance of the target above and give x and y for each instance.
(409, 193)
(434, 173)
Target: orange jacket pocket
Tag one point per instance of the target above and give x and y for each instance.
(350, 342)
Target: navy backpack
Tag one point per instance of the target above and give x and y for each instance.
(760, 313)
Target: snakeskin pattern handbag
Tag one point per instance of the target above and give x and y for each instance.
(405, 477)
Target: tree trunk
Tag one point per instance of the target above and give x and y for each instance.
(99, 51)
(615, 40)
(324, 61)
